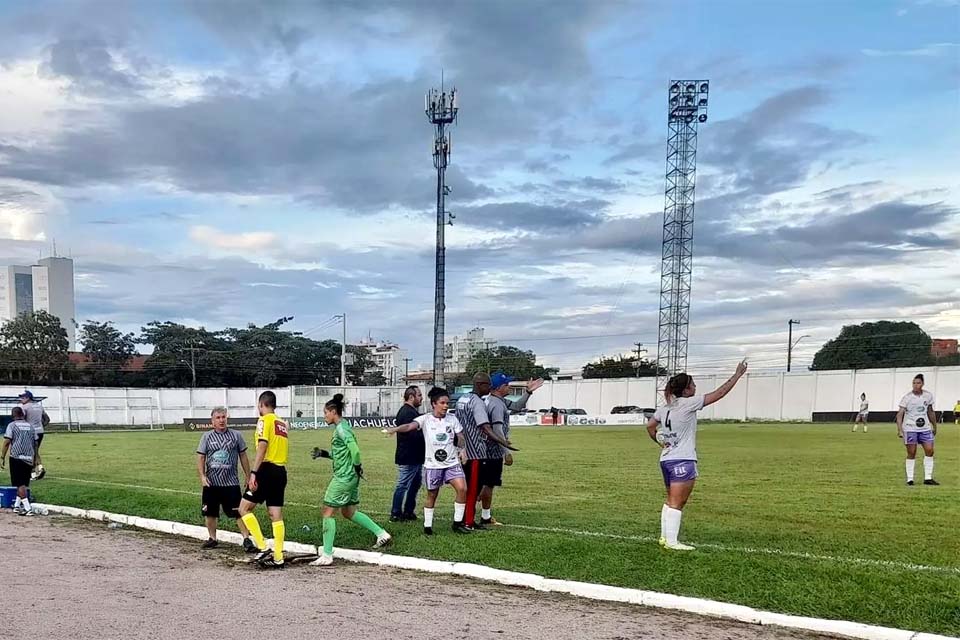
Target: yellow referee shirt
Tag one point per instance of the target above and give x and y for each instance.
(273, 431)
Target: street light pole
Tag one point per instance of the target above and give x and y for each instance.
(790, 324)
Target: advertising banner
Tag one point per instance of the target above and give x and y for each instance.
(203, 424)
(606, 420)
(357, 422)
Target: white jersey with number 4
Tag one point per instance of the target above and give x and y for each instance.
(915, 414)
(677, 428)
(439, 434)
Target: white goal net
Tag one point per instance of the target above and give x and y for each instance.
(112, 413)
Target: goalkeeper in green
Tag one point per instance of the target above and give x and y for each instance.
(343, 492)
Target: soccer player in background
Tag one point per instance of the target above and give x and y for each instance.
(408, 458)
(38, 419)
(481, 469)
(20, 440)
(268, 481)
(674, 427)
(499, 410)
(443, 437)
(343, 492)
(956, 413)
(217, 457)
(861, 417)
(917, 423)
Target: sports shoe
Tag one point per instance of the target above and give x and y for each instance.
(459, 527)
(676, 546)
(249, 547)
(932, 481)
(18, 510)
(477, 526)
(39, 472)
(209, 544)
(409, 517)
(396, 518)
(909, 483)
(428, 531)
(270, 563)
(383, 540)
(323, 561)
(490, 522)
(262, 556)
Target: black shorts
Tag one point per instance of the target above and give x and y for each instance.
(271, 484)
(488, 473)
(20, 472)
(39, 440)
(213, 498)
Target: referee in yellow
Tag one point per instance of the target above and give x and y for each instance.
(268, 481)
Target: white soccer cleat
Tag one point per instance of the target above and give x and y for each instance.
(323, 561)
(383, 540)
(676, 546)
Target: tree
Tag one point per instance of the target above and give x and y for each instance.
(34, 348)
(107, 350)
(183, 356)
(515, 362)
(875, 345)
(620, 367)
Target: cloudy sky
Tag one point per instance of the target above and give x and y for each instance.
(218, 163)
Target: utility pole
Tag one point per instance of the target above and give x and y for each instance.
(192, 364)
(343, 350)
(406, 370)
(441, 109)
(640, 352)
(790, 324)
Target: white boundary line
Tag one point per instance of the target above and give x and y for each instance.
(580, 589)
(801, 555)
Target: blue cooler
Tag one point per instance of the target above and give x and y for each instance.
(8, 497)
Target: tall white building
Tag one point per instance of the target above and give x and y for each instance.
(457, 353)
(388, 358)
(46, 286)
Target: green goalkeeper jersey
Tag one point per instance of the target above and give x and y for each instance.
(344, 451)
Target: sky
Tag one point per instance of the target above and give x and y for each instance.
(225, 163)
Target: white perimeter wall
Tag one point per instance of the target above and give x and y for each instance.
(766, 396)
(762, 396)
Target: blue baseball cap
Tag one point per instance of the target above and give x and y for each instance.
(499, 379)
(26, 394)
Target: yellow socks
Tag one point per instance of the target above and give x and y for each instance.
(278, 531)
(254, 527)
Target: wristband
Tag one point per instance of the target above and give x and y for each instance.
(253, 472)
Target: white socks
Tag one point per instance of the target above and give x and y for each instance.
(459, 508)
(485, 514)
(909, 470)
(16, 505)
(25, 502)
(670, 524)
(427, 517)
(927, 467)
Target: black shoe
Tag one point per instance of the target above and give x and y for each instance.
(396, 518)
(209, 544)
(459, 527)
(479, 526)
(909, 483)
(262, 556)
(409, 517)
(270, 563)
(428, 531)
(249, 547)
(933, 482)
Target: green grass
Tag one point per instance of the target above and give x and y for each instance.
(818, 490)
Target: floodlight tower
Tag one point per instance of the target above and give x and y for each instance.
(441, 108)
(686, 108)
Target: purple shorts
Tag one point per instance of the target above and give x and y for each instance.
(917, 437)
(678, 471)
(436, 478)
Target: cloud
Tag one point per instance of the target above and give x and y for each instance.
(927, 51)
(529, 216)
(89, 63)
(247, 241)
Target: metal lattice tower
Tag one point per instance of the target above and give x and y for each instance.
(686, 108)
(441, 108)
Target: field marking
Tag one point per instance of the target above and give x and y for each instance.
(801, 555)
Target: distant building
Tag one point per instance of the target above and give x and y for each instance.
(388, 360)
(943, 347)
(457, 353)
(46, 286)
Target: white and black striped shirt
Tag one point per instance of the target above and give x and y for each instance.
(22, 440)
(222, 451)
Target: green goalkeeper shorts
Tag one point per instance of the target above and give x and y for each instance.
(342, 493)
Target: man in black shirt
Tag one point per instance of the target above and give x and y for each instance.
(409, 459)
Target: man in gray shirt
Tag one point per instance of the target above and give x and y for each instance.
(217, 457)
(38, 419)
(20, 440)
(499, 409)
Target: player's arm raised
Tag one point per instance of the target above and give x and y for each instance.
(718, 393)
(403, 428)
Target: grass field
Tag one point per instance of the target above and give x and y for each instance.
(802, 519)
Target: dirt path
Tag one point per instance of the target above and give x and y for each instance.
(64, 578)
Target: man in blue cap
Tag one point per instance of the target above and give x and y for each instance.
(499, 409)
(38, 419)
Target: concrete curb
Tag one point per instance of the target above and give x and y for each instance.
(589, 590)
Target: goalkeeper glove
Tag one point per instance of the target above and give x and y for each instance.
(358, 468)
(319, 453)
